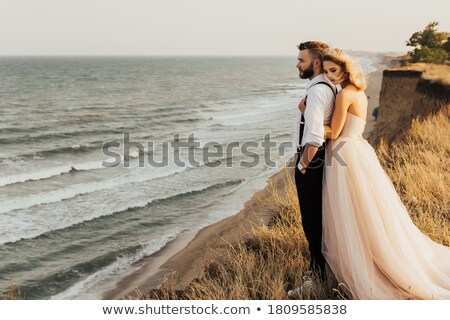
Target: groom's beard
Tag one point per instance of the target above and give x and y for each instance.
(307, 73)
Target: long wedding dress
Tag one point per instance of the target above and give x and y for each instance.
(369, 240)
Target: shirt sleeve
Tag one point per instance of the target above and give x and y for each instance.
(314, 116)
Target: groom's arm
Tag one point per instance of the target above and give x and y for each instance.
(314, 131)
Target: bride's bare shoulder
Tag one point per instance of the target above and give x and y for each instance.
(349, 89)
(350, 92)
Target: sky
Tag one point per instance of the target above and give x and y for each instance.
(210, 27)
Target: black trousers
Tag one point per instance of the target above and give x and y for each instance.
(309, 190)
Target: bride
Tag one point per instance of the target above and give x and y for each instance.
(369, 240)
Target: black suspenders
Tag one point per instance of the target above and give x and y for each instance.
(302, 121)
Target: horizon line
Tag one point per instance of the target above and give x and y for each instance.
(178, 55)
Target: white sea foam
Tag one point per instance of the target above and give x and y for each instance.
(46, 173)
(71, 191)
(31, 222)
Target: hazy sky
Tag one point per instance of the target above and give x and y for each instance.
(210, 27)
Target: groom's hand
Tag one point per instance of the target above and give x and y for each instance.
(308, 154)
(301, 168)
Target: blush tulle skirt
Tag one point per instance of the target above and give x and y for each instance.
(369, 240)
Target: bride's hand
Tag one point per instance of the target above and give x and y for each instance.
(302, 106)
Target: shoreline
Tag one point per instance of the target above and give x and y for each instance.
(182, 259)
(150, 274)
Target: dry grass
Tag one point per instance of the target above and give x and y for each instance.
(419, 167)
(435, 72)
(14, 293)
(272, 259)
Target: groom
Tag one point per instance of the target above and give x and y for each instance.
(310, 142)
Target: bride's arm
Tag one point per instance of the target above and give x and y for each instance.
(341, 106)
(327, 131)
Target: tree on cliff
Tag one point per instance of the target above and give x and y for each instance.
(431, 46)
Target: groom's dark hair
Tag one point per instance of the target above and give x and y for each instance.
(315, 47)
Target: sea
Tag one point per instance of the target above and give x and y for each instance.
(104, 160)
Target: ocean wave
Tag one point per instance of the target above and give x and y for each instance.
(78, 189)
(244, 122)
(258, 108)
(71, 168)
(175, 117)
(30, 138)
(140, 104)
(29, 226)
(186, 120)
(291, 85)
(89, 288)
(251, 113)
(75, 149)
(204, 106)
(184, 194)
(10, 129)
(47, 173)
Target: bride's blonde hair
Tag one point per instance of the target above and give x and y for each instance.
(351, 71)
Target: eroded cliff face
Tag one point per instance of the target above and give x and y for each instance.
(406, 94)
(430, 97)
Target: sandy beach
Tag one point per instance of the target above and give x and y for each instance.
(183, 259)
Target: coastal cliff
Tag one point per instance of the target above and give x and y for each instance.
(407, 93)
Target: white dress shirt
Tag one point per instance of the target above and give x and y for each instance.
(319, 111)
